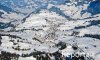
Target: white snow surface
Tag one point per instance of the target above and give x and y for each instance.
(41, 24)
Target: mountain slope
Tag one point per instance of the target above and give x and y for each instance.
(49, 27)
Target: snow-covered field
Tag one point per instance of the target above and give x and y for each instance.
(42, 29)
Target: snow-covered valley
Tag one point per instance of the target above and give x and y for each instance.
(48, 27)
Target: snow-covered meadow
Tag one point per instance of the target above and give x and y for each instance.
(44, 24)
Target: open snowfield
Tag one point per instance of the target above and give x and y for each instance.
(42, 27)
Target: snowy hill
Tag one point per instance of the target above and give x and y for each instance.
(33, 28)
